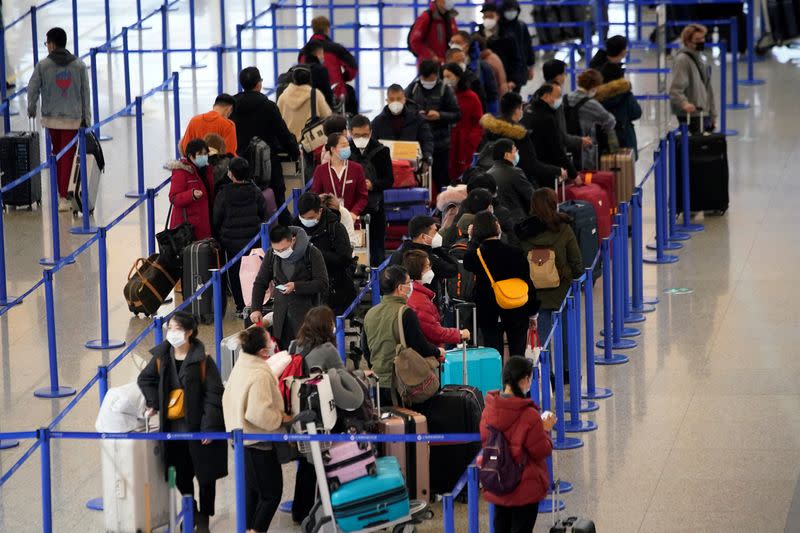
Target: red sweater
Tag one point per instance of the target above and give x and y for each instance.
(185, 180)
(354, 184)
(521, 424)
(431, 34)
(466, 134)
(430, 322)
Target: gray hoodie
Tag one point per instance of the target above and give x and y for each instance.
(692, 84)
(63, 83)
(592, 114)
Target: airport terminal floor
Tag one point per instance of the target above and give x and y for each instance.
(702, 432)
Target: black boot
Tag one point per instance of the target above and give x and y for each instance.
(201, 523)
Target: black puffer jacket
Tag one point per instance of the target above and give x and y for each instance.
(239, 210)
(442, 99)
(407, 126)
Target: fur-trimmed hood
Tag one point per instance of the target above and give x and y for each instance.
(503, 128)
(180, 164)
(612, 89)
(453, 195)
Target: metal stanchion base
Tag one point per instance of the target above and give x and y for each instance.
(80, 230)
(586, 406)
(731, 133)
(634, 317)
(47, 392)
(691, 227)
(6, 444)
(678, 236)
(667, 246)
(10, 301)
(98, 344)
(193, 66)
(567, 443)
(623, 344)
(51, 261)
(753, 82)
(626, 332)
(615, 359)
(286, 507)
(738, 106)
(600, 393)
(95, 504)
(653, 259)
(579, 426)
(645, 308)
(134, 194)
(546, 505)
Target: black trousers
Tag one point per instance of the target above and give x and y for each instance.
(377, 234)
(233, 279)
(264, 481)
(178, 456)
(515, 519)
(440, 169)
(305, 490)
(515, 327)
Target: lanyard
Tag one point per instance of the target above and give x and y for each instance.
(344, 179)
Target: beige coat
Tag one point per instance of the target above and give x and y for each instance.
(295, 107)
(251, 400)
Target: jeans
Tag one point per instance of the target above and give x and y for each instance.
(264, 480)
(515, 519)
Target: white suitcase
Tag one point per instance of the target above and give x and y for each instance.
(93, 173)
(135, 493)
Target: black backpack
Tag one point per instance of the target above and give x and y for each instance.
(572, 114)
(286, 78)
(462, 286)
(485, 156)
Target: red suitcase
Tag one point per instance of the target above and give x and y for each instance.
(606, 180)
(596, 196)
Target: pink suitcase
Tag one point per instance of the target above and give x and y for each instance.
(248, 270)
(348, 461)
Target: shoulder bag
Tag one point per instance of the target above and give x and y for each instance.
(313, 134)
(415, 378)
(510, 293)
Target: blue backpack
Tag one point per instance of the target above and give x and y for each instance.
(499, 473)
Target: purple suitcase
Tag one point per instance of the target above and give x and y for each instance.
(416, 195)
(348, 461)
(404, 213)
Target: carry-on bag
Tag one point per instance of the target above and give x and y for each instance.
(605, 180)
(484, 366)
(623, 164)
(135, 493)
(199, 260)
(313, 394)
(95, 165)
(248, 270)
(584, 225)
(708, 172)
(597, 197)
(229, 348)
(348, 461)
(372, 500)
(313, 134)
(412, 196)
(19, 154)
(149, 283)
(173, 241)
(572, 524)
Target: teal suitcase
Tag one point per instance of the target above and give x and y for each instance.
(372, 500)
(484, 365)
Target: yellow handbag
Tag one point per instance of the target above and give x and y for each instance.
(175, 407)
(510, 293)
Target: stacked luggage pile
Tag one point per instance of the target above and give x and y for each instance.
(410, 193)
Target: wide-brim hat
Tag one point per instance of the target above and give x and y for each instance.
(347, 391)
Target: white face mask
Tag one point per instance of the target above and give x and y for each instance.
(176, 338)
(427, 277)
(436, 241)
(307, 222)
(511, 14)
(428, 85)
(396, 107)
(410, 290)
(361, 142)
(463, 66)
(489, 24)
(286, 254)
(451, 82)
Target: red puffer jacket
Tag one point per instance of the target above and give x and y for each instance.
(430, 322)
(185, 180)
(466, 136)
(521, 424)
(341, 64)
(431, 34)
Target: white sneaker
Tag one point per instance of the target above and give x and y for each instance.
(64, 205)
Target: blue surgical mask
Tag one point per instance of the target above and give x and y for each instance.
(344, 154)
(557, 103)
(309, 222)
(201, 161)
(516, 159)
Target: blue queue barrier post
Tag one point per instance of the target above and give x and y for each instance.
(561, 442)
(340, 340)
(151, 221)
(158, 330)
(241, 490)
(126, 69)
(448, 514)
(193, 40)
(618, 329)
(176, 111)
(139, 152)
(592, 391)
(674, 234)
(736, 104)
(138, 26)
(574, 406)
(107, 10)
(239, 28)
(751, 46)
(96, 504)
(587, 42)
(546, 506)
(264, 233)
(103, 343)
(75, 31)
(686, 224)
(84, 228)
(165, 42)
(473, 500)
(47, 489)
(222, 32)
(660, 258)
(220, 82)
(296, 200)
(375, 287)
(55, 228)
(54, 390)
(4, 80)
(638, 303)
(34, 35)
(187, 507)
(5, 299)
(607, 343)
(95, 95)
(216, 286)
(630, 317)
(573, 66)
(723, 91)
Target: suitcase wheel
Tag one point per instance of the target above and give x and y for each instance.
(372, 470)
(333, 484)
(363, 445)
(326, 456)
(405, 528)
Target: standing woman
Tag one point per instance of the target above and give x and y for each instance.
(527, 432)
(467, 133)
(180, 367)
(487, 254)
(343, 178)
(191, 190)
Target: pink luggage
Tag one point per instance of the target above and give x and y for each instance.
(248, 270)
(348, 461)
(269, 198)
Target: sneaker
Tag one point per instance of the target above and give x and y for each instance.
(64, 205)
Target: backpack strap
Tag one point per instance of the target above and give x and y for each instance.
(313, 102)
(400, 325)
(696, 64)
(581, 102)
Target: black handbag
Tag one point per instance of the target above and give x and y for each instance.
(171, 242)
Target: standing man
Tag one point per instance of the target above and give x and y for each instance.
(544, 129)
(215, 121)
(516, 30)
(691, 91)
(63, 83)
(341, 64)
(401, 122)
(480, 68)
(431, 32)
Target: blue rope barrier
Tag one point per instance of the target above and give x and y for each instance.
(271, 437)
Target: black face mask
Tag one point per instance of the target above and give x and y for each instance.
(699, 47)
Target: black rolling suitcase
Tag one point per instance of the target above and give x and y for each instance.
(784, 19)
(584, 225)
(454, 409)
(199, 259)
(708, 172)
(19, 154)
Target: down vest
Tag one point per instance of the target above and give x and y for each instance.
(421, 301)
(239, 210)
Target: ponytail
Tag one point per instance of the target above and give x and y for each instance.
(515, 369)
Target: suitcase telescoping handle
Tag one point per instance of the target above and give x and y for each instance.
(459, 307)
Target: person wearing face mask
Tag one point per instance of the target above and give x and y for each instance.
(594, 120)
(401, 121)
(381, 333)
(505, 46)
(437, 104)
(527, 433)
(215, 121)
(516, 30)
(484, 72)
(503, 262)
(180, 367)
(616, 48)
(430, 34)
(544, 129)
(253, 403)
(376, 160)
(301, 281)
(329, 236)
(691, 91)
(457, 56)
(341, 177)
(467, 133)
(421, 301)
(506, 125)
(239, 210)
(424, 236)
(514, 191)
(191, 189)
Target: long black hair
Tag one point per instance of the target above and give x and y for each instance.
(187, 322)
(515, 369)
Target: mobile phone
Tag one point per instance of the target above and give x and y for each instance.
(281, 288)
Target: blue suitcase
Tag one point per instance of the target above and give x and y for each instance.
(417, 195)
(404, 213)
(484, 365)
(372, 500)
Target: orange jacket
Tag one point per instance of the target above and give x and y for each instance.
(211, 122)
